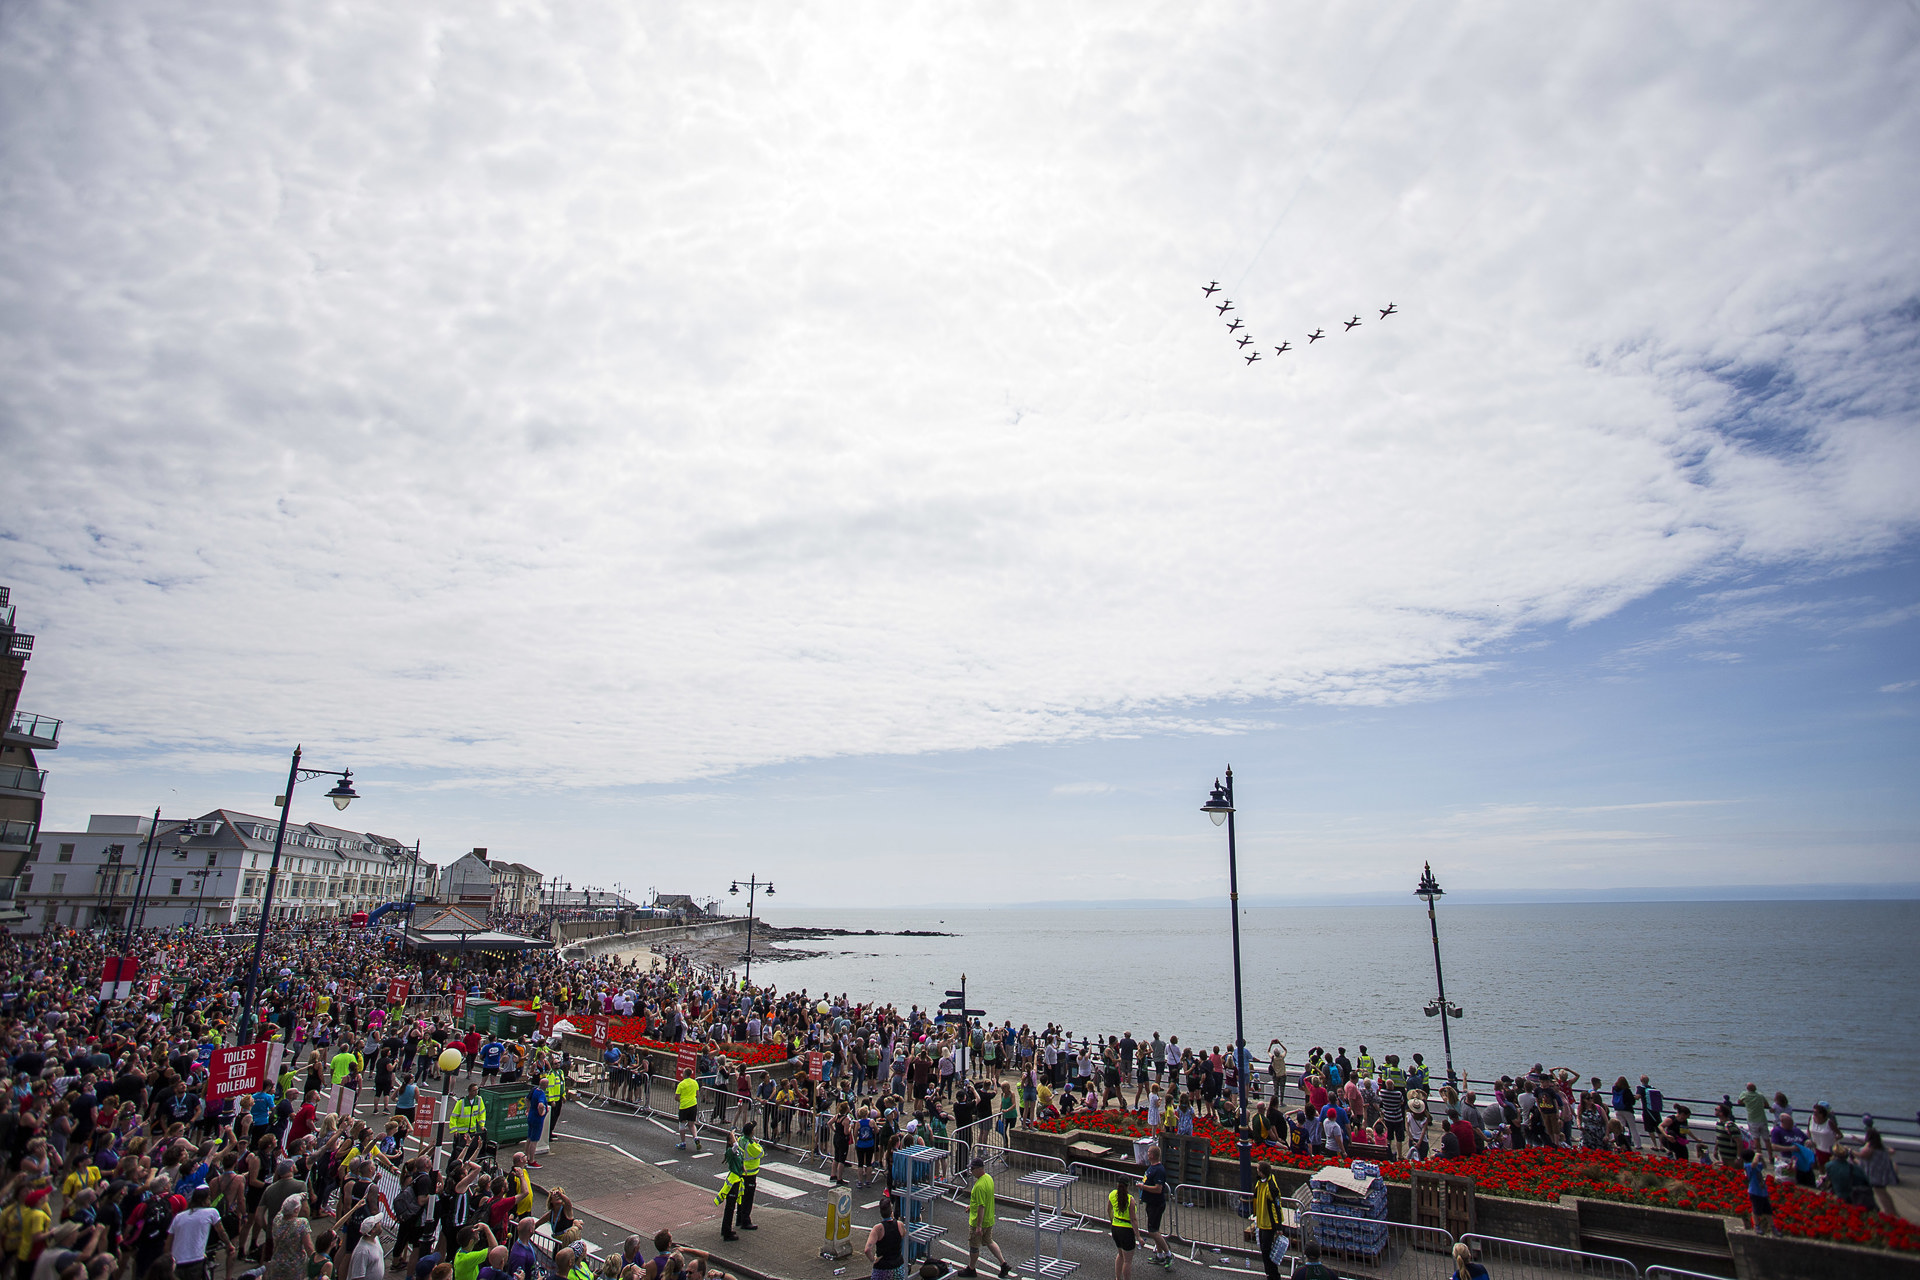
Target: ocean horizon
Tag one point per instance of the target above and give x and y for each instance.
(1808, 996)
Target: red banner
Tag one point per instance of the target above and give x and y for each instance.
(397, 991)
(153, 988)
(543, 1021)
(814, 1061)
(600, 1033)
(686, 1059)
(459, 1004)
(235, 1072)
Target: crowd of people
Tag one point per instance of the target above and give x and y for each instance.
(121, 1162)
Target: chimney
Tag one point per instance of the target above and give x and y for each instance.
(480, 854)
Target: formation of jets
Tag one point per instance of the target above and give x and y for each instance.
(1243, 340)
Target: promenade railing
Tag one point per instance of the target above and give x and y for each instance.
(1406, 1252)
(1524, 1260)
(1210, 1219)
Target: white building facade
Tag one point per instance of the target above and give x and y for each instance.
(211, 870)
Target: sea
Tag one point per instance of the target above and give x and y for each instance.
(1815, 999)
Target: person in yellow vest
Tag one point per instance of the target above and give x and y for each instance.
(730, 1188)
(468, 1124)
(1393, 1072)
(750, 1153)
(687, 1095)
(556, 1098)
(520, 1183)
(1364, 1066)
(536, 1002)
(1120, 1214)
(1267, 1201)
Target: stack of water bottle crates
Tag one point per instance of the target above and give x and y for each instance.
(1356, 1201)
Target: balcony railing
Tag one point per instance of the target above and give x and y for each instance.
(38, 731)
(21, 780)
(20, 833)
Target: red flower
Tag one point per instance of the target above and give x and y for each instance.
(1540, 1173)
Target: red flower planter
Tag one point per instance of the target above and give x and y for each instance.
(1540, 1173)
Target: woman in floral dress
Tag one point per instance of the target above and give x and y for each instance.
(292, 1242)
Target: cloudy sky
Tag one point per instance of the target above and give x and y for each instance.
(662, 442)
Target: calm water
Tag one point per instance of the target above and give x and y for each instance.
(1814, 998)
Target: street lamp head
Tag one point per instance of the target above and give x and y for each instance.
(343, 793)
(736, 888)
(1429, 887)
(1217, 806)
(769, 891)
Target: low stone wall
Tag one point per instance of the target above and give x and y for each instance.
(604, 943)
(1787, 1258)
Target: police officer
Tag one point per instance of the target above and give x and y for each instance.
(468, 1123)
(1364, 1067)
(556, 1098)
(1393, 1073)
(730, 1189)
(750, 1152)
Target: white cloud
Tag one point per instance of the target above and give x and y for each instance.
(1904, 686)
(614, 394)
(1083, 789)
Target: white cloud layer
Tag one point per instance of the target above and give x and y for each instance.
(618, 393)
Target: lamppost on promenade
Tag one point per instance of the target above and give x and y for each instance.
(137, 906)
(342, 795)
(1430, 889)
(200, 890)
(752, 885)
(413, 871)
(1219, 807)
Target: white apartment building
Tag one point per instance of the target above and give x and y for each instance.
(210, 870)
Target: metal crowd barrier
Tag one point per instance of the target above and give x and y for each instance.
(1213, 1219)
(1525, 1261)
(1406, 1252)
(1677, 1273)
(1087, 1198)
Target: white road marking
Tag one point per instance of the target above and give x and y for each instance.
(764, 1187)
(796, 1171)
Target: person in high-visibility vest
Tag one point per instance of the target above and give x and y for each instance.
(468, 1124)
(1363, 1068)
(750, 1153)
(1267, 1201)
(556, 1098)
(1120, 1214)
(687, 1095)
(1394, 1074)
(730, 1188)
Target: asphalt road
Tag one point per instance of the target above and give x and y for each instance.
(791, 1181)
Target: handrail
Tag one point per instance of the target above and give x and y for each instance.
(1477, 1238)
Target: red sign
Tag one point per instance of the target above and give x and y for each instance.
(459, 1004)
(235, 1072)
(397, 991)
(153, 988)
(544, 1020)
(600, 1033)
(814, 1061)
(116, 977)
(686, 1059)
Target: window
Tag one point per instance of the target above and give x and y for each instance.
(175, 891)
(66, 853)
(26, 884)
(59, 883)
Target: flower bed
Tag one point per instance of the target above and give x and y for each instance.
(624, 1030)
(1539, 1173)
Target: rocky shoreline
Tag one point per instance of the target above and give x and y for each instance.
(771, 944)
